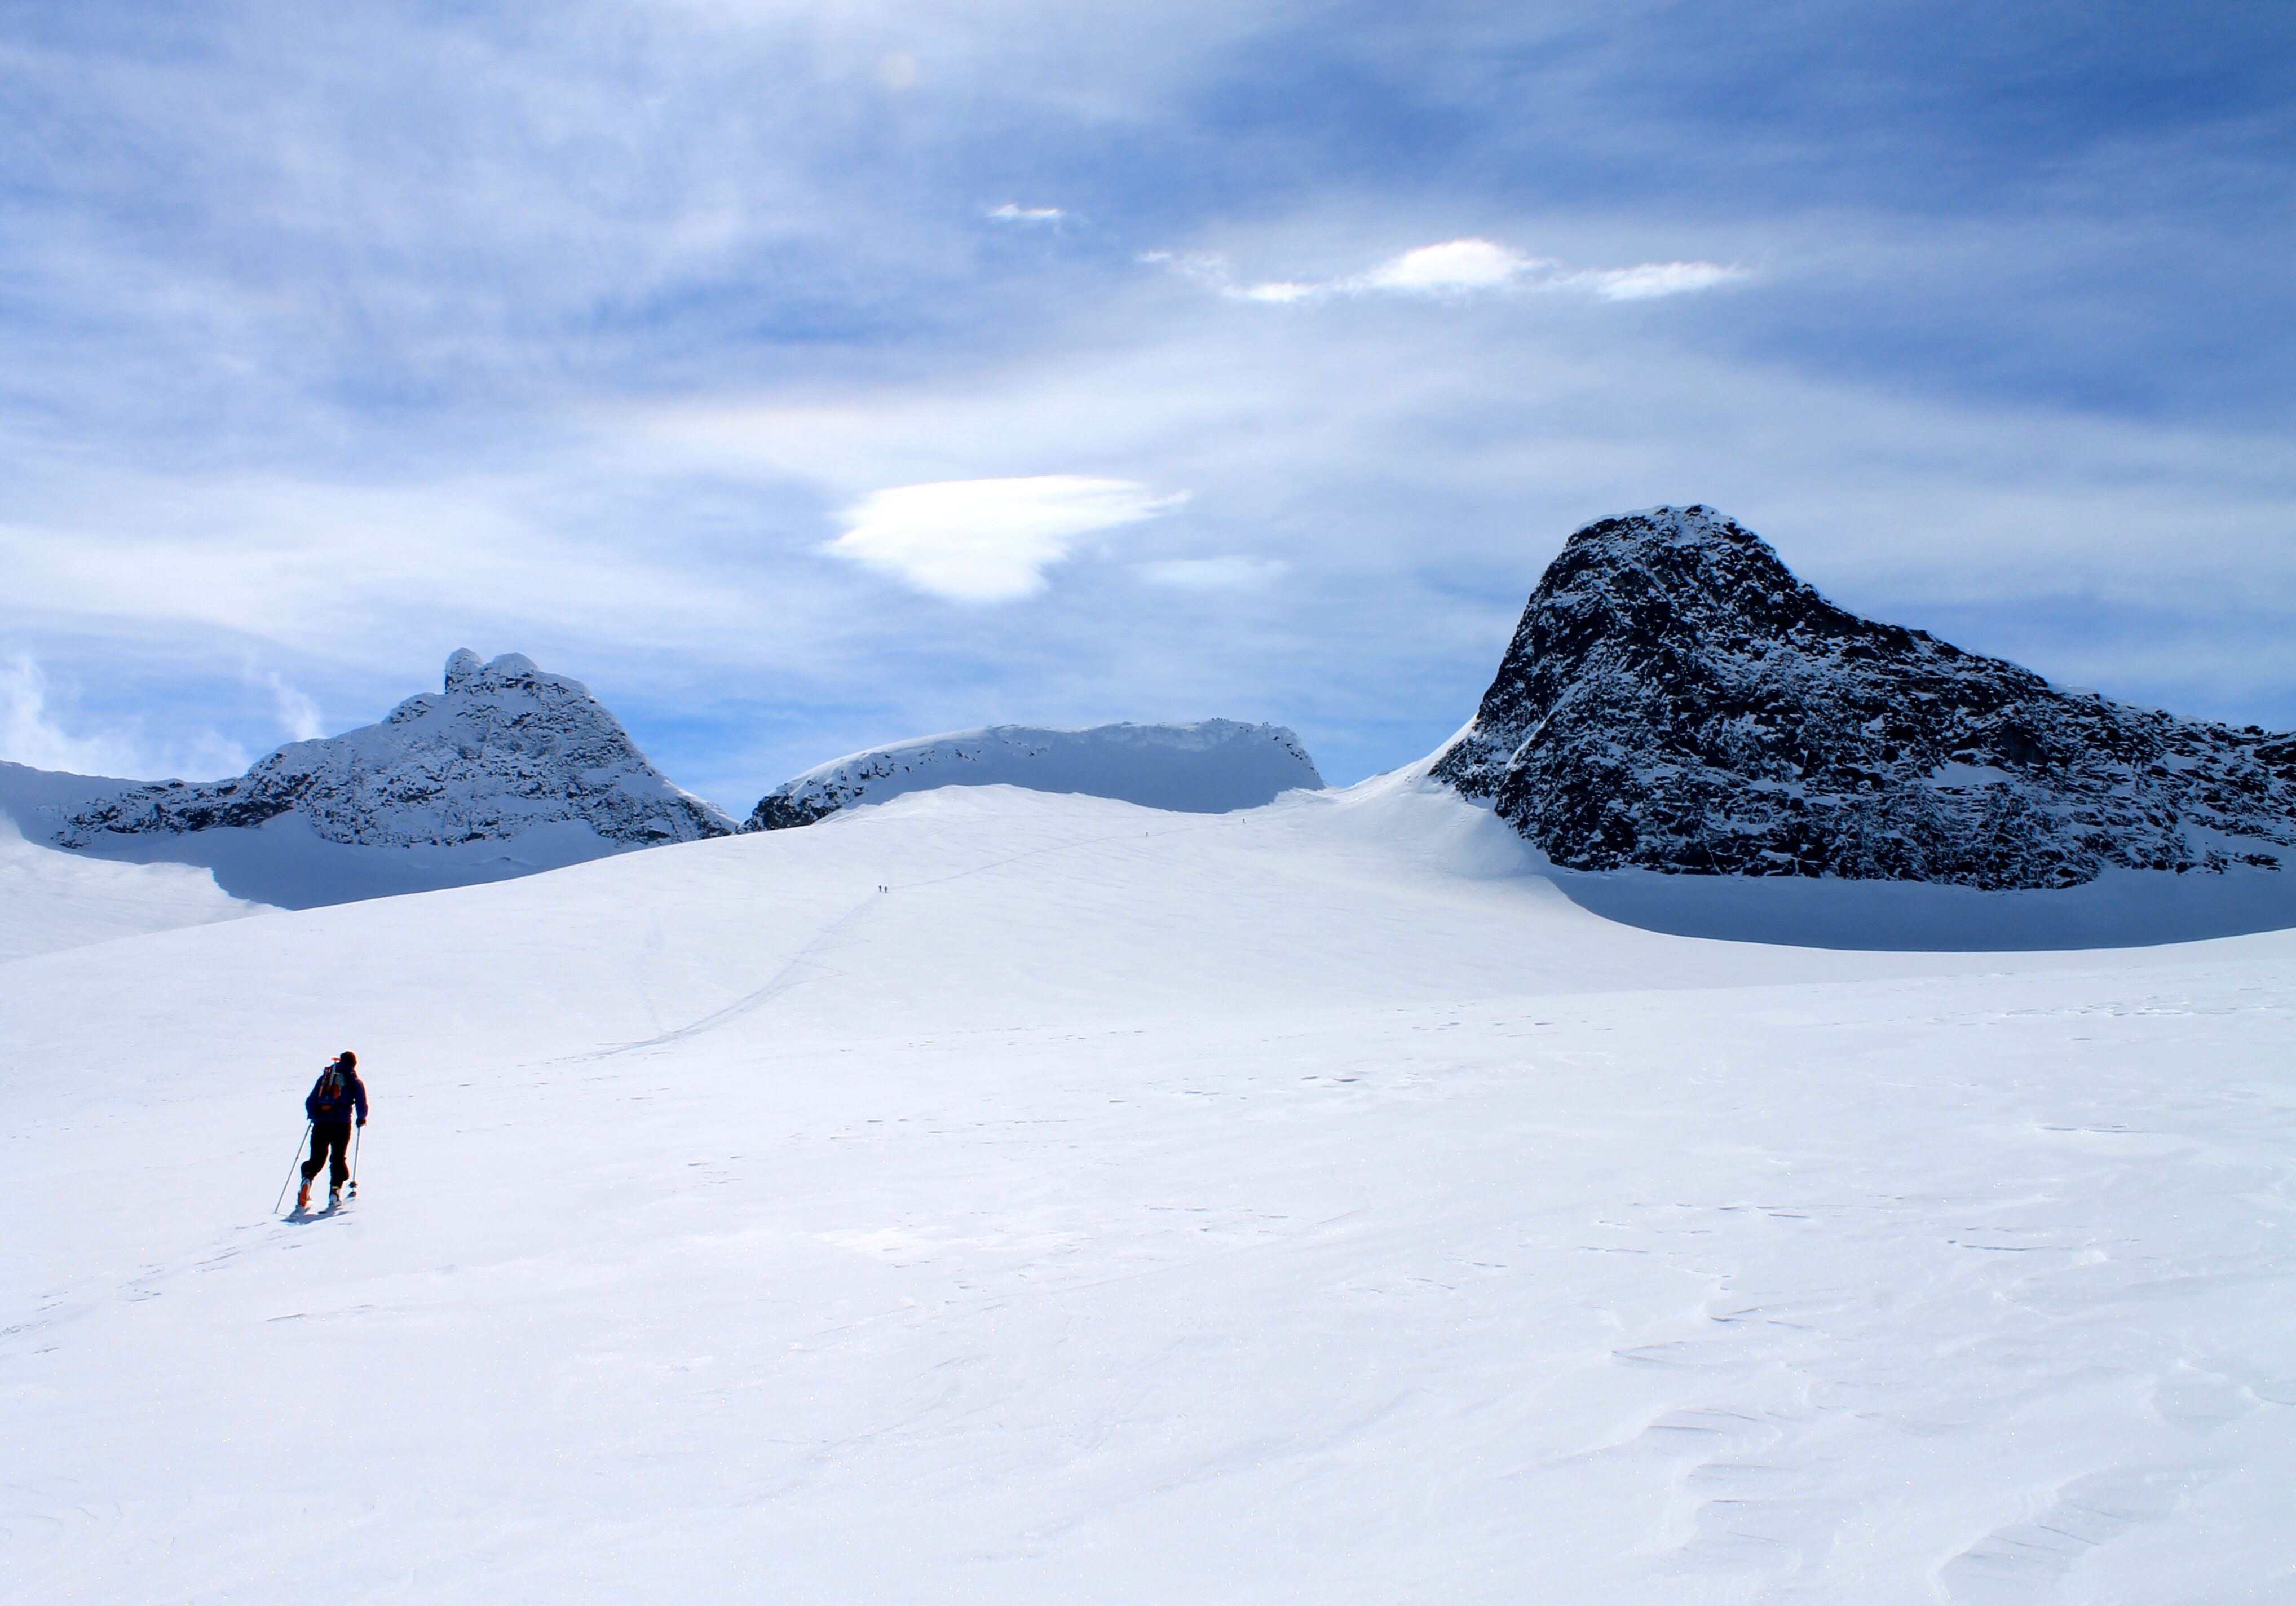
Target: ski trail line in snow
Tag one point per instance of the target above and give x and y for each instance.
(780, 982)
(786, 978)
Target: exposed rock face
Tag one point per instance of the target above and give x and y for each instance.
(1209, 767)
(505, 747)
(1675, 698)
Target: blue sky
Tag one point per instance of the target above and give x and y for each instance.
(804, 377)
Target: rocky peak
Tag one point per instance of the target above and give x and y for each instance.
(504, 747)
(1675, 698)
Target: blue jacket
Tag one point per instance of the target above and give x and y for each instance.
(334, 1095)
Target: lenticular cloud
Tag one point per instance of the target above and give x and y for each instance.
(987, 540)
(1455, 264)
(1468, 266)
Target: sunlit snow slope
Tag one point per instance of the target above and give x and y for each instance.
(51, 900)
(1308, 1204)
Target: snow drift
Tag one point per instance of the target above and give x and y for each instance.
(1213, 766)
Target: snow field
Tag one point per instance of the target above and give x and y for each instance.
(1300, 1205)
(51, 901)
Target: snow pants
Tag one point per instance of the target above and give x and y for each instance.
(331, 1145)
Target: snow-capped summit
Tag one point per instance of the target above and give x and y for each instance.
(505, 748)
(1675, 698)
(1212, 766)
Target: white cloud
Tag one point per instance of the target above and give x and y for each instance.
(1231, 573)
(1458, 267)
(31, 733)
(1277, 292)
(987, 540)
(298, 715)
(1011, 212)
(1655, 279)
(1454, 266)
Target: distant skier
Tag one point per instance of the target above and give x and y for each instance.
(332, 1098)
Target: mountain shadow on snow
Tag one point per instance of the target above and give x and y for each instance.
(1212, 766)
(1675, 700)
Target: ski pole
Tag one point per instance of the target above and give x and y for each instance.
(358, 1136)
(291, 1169)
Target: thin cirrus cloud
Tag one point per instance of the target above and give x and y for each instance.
(988, 540)
(1012, 212)
(1462, 267)
(1230, 572)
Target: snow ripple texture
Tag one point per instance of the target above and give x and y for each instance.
(505, 748)
(1212, 766)
(1676, 699)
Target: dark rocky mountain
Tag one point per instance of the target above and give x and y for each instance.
(1674, 699)
(503, 748)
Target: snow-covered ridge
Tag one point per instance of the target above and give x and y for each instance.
(505, 748)
(1212, 766)
(1675, 698)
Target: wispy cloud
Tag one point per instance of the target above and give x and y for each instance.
(987, 540)
(1012, 212)
(33, 731)
(1451, 268)
(1455, 268)
(298, 715)
(1651, 279)
(1231, 573)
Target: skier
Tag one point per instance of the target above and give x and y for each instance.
(332, 1098)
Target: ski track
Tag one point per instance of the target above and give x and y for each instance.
(1875, 1287)
(787, 976)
